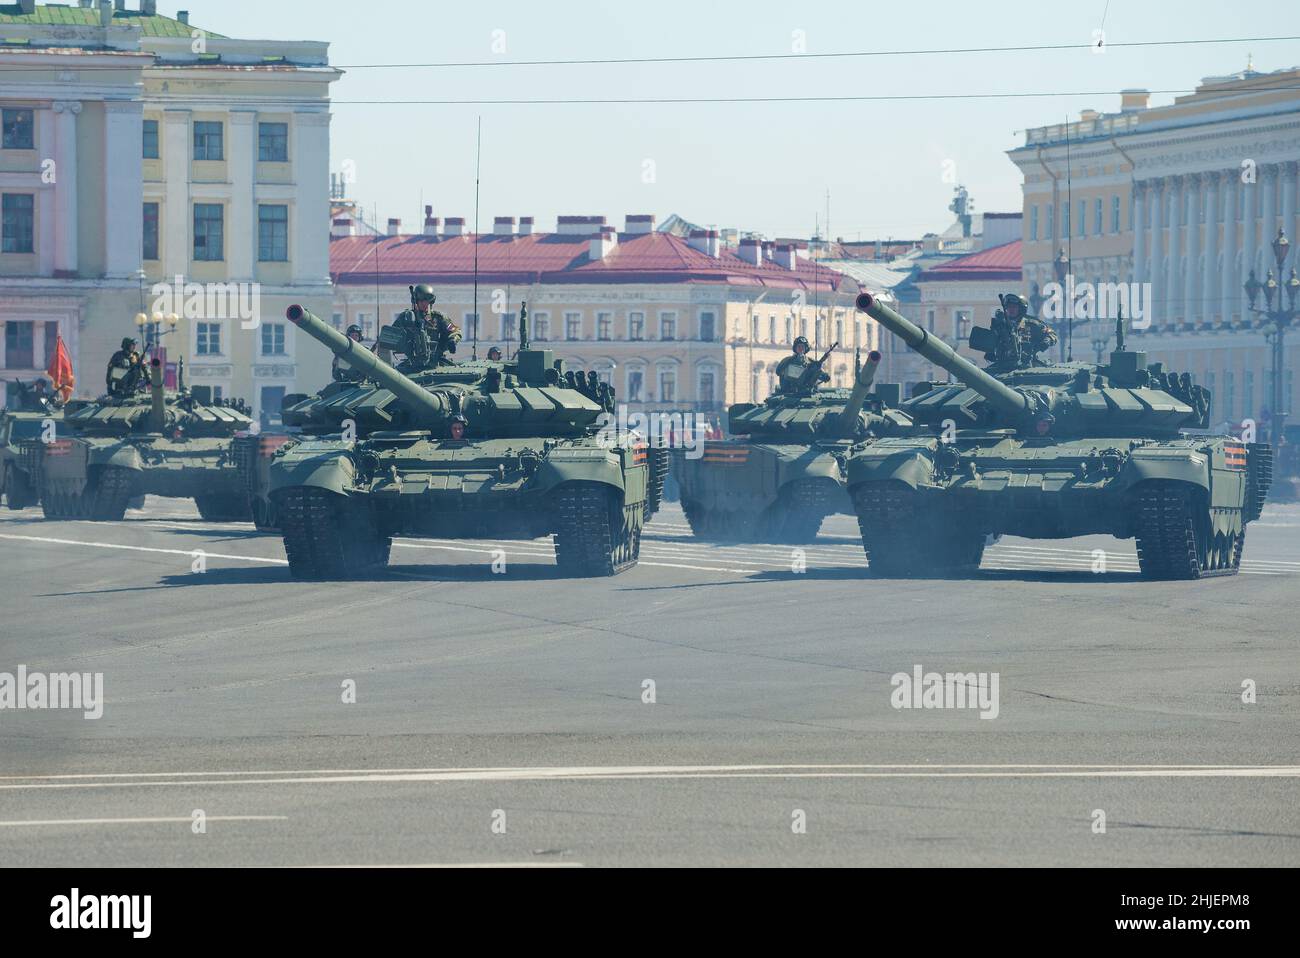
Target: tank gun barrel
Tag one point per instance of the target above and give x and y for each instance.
(410, 394)
(1000, 395)
(861, 385)
(158, 398)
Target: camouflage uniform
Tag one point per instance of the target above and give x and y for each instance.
(790, 371)
(128, 359)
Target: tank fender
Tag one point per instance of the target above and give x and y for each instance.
(120, 454)
(582, 464)
(912, 464)
(329, 469)
(1176, 465)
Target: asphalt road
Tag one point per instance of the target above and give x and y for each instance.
(501, 718)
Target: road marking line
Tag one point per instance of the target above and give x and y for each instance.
(112, 545)
(144, 821)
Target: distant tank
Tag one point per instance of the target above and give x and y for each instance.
(159, 442)
(1053, 450)
(35, 416)
(782, 473)
(512, 451)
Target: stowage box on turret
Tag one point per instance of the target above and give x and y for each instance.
(159, 442)
(491, 450)
(783, 473)
(1052, 450)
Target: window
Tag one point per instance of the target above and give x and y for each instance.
(273, 340)
(708, 380)
(707, 322)
(273, 142)
(635, 383)
(667, 326)
(1083, 217)
(209, 140)
(19, 129)
(469, 326)
(208, 339)
(150, 140)
(929, 320)
(771, 329)
(1114, 213)
(839, 332)
(572, 325)
(271, 400)
(961, 325)
(636, 326)
(1065, 220)
(1033, 222)
(336, 320)
(605, 326)
(1096, 217)
(150, 231)
(667, 385)
(18, 345)
(541, 330)
(209, 243)
(273, 233)
(753, 329)
(218, 394)
(17, 220)
(1229, 396)
(1051, 226)
(789, 329)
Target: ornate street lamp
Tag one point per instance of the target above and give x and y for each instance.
(1276, 317)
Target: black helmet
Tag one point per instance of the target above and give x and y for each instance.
(423, 293)
(1016, 298)
(128, 342)
(494, 352)
(354, 329)
(802, 341)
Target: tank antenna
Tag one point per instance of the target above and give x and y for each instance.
(478, 159)
(1119, 330)
(523, 326)
(1069, 247)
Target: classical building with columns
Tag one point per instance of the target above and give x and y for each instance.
(1185, 197)
(140, 149)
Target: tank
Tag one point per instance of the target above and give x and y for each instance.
(1054, 450)
(494, 450)
(160, 442)
(33, 417)
(782, 473)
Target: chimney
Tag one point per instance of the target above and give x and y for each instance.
(149, 8)
(394, 227)
(1086, 116)
(751, 251)
(706, 241)
(430, 222)
(579, 225)
(638, 224)
(525, 226)
(455, 226)
(503, 226)
(786, 256)
(1130, 101)
(342, 227)
(183, 16)
(603, 243)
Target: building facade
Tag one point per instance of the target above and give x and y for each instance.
(1186, 198)
(149, 166)
(670, 321)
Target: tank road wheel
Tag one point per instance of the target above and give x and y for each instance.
(798, 515)
(1174, 537)
(230, 507)
(328, 536)
(901, 543)
(106, 498)
(594, 536)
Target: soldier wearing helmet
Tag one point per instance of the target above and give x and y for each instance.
(1020, 336)
(126, 370)
(429, 335)
(341, 370)
(790, 371)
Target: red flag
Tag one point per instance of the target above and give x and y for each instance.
(60, 370)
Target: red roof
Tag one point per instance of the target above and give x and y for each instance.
(998, 262)
(556, 258)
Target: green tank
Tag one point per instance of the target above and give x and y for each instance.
(515, 450)
(782, 473)
(30, 419)
(1054, 450)
(160, 442)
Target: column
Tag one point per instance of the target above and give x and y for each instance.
(1192, 246)
(1156, 308)
(45, 198)
(1229, 285)
(241, 238)
(309, 227)
(1287, 171)
(65, 186)
(1249, 228)
(1139, 238)
(123, 188)
(176, 226)
(1174, 289)
(1267, 214)
(1209, 304)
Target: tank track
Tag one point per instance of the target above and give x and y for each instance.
(1168, 536)
(657, 462)
(899, 542)
(797, 517)
(586, 542)
(19, 493)
(113, 489)
(327, 536)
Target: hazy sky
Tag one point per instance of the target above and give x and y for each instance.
(763, 166)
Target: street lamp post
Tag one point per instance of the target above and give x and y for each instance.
(1061, 266)
(1275, 320)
